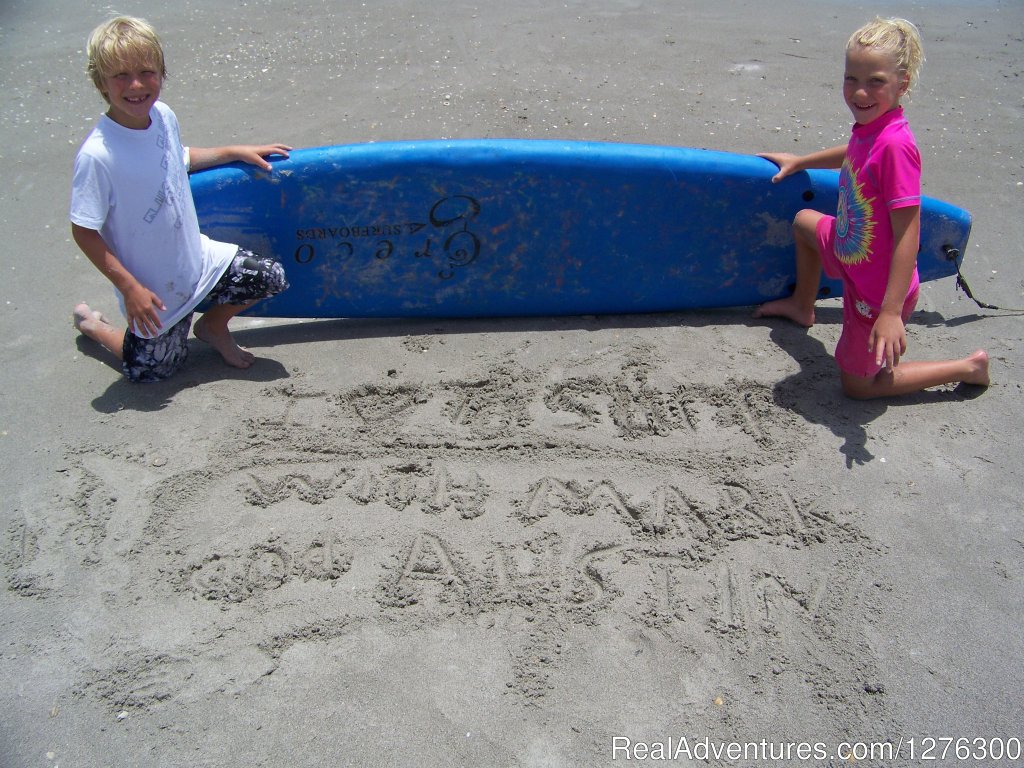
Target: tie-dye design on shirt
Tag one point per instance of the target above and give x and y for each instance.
(855, 219)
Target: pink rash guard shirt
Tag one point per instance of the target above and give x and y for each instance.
(881, 172)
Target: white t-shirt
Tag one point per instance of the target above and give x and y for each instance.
(132, 187)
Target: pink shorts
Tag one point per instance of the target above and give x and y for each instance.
(853, 355)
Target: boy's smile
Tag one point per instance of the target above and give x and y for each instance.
(131, 93)
(872, 85)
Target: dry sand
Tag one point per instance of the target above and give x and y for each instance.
(506, 542)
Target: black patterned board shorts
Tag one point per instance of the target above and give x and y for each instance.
(247, 279)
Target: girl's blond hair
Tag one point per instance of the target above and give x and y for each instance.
(897, 37)
(120, 41)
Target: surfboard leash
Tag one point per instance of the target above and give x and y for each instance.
(953, 254)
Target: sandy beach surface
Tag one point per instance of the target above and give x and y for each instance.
(539, 542)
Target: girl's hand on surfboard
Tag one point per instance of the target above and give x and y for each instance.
(788, 163)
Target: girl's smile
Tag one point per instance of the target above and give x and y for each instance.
(872, 85)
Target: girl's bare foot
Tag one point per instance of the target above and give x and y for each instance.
(222, 340)
(787, 308)
(979, 365)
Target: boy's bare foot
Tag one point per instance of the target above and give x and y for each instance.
(979, 365)
(223, 342)
(96, 327)
(787, 308)
(86, 319)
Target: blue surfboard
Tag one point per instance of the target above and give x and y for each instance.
(474, 228)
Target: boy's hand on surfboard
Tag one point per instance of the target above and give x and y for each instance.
(255, 155)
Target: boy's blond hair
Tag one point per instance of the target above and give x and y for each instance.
(120, 41)
(897, 37)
